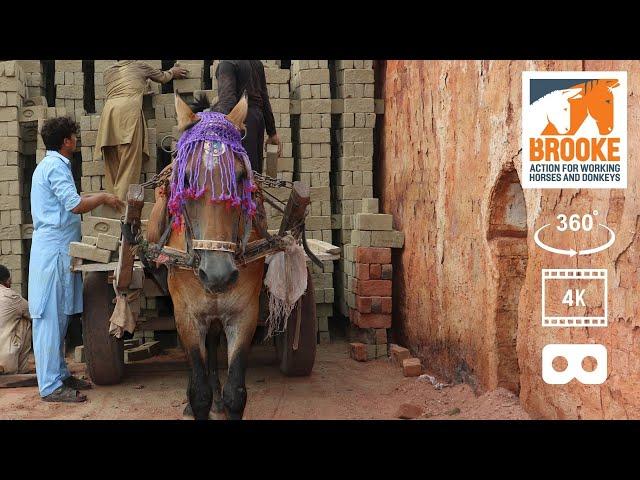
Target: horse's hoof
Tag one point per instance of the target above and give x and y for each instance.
(187, 414)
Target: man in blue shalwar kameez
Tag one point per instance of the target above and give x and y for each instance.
(54, 291)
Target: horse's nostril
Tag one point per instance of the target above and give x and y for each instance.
(234, 277)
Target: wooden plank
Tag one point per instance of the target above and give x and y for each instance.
(296, 206)
(18, 380)
(135, 202)
(99, 267)
(323, 247)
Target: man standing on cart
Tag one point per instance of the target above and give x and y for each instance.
(122, 134)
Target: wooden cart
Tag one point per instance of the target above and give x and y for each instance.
(296, 346)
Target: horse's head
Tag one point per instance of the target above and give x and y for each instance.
(599, 103)
(560, 115)
(211, 189)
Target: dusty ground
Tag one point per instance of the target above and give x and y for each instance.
(339, 388)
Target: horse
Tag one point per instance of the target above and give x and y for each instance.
(593, 105)
(211, 204)
(550, 114)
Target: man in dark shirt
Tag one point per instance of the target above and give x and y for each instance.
(234, 77)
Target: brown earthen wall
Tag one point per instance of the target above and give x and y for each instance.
(451, 130)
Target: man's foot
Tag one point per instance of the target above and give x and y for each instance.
(65, 394)
(77, 384)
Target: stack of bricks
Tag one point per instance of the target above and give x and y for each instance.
(278, 88)
(353, 166)
(12, 93)
(369, 273)
(69, 82)
(310, 85)
(194, 78)
(34, 77)
(165, 116)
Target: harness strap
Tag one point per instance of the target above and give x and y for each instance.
(214, 245)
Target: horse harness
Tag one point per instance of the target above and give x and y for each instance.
(244, 252)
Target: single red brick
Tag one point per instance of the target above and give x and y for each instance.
(373, 255)
(387, 272)
(362, 271)
(376, 305)
(371, 320)
(375, 271)
(363, 304)
(398, 353)
(358, 351)
(411, 367)
(374, 288)
(386, 304)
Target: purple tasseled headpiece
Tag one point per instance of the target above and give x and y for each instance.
(218, 139)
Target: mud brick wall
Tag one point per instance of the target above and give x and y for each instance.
(69, 84)
(13, 91)
(34, 77)
(446, 158)
(194, 79)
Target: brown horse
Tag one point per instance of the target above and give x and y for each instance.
(217, 295)
(596, 99)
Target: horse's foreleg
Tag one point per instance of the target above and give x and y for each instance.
(199, 391)
(239, 334)
(213, 339)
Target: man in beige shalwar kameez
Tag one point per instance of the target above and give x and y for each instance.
(15, 328)
(122, 135)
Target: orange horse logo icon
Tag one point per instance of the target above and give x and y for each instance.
(595, 102)
(583, 107)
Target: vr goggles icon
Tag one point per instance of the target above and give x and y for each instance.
(574, 354)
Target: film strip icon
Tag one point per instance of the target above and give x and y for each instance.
(565, 274)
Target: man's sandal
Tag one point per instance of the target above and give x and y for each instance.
(65, 394)
(76, 383)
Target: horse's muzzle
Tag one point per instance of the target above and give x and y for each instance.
(217, 271)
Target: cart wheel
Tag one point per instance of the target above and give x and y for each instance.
(297, 363)
(104, 353)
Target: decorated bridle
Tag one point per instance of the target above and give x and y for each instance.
(213, 142)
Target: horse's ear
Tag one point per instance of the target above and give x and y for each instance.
(613, 84)
(238, 115)
(186, 117)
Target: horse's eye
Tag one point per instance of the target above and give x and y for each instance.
(608, 101)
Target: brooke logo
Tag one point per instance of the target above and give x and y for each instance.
(574, 129)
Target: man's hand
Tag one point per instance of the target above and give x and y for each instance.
(113, 201)
(178, 72)
(275, 140)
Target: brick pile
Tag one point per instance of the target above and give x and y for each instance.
(12, 94)
(34, 77)
(194, 78)
(69, 84)
(353, 153)
(310, 89)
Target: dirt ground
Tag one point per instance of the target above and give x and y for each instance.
(338, 388)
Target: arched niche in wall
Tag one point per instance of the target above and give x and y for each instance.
(507, 234)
